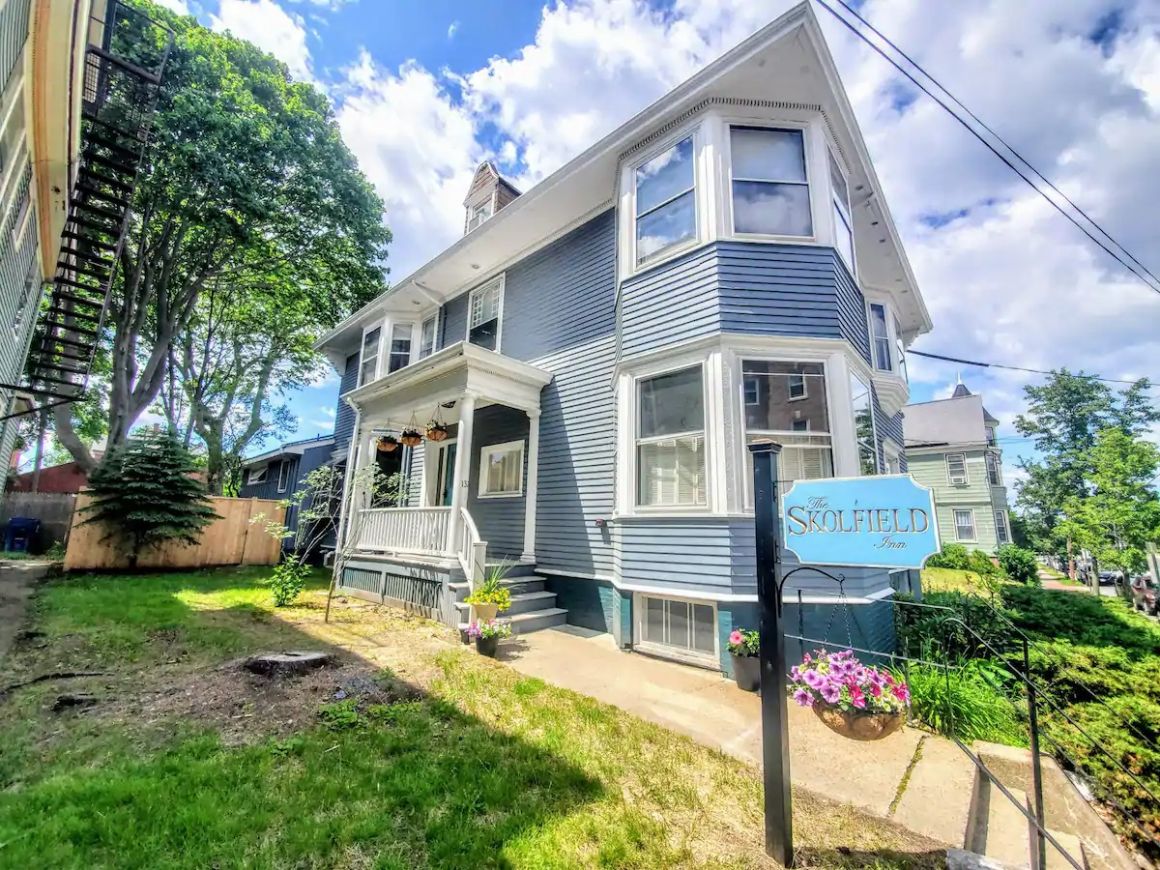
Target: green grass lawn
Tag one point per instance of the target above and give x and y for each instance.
(435, 757)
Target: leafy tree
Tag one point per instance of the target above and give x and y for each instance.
(1121, 514)
(144, 494)
(1018, 564)
(250, 187)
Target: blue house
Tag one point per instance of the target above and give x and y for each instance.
(279, 473)
(721, 268)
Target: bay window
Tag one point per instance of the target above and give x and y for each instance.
(670, 440)
(427, 335)
(790, 407)
(880, 338)
(368, 365)
(484, 306)
(994, 473)
(863, 405)
(770, 189)
(666, 207)
(843, 224)
(399, 354)
(899, 347)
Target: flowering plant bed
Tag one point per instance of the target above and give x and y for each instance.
(858, 701)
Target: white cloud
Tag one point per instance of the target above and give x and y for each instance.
(271, 28)
(452, 29)
(181, 7)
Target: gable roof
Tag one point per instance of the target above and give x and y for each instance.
(487, 174)
(786, 63)
(290, 448)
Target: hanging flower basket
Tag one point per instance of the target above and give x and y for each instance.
(411, 437)
(858, 701)
(387, 444)
(436, 431)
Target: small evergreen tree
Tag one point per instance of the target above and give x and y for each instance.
(144, 495)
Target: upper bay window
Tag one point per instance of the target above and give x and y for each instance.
(863, 405)
(771, 193)
(880, 338)
(484, 308)
(666, 201)
(670, 442)
(400, 351)
(427, 336)
(843, 223)
(791, 407)
(369, 355)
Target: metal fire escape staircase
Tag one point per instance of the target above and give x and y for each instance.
(118, 103)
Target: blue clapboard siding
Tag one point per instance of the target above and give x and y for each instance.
(500, 520)
(268, 488)
(694, 554)
(454, 321)
(344, 413)
(759, 289)
(886, 427)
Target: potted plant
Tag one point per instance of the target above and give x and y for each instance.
(437, 431)
(487, 636)
(858, 701)
(387, 444)
(411, 437)
(490, 596)
(744, 646)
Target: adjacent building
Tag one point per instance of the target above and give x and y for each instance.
(952, 448)
(280, 473)
(596, 354)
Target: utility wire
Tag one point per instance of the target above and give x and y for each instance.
(987, 365)
(1138, 269)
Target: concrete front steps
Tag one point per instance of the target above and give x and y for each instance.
(948, 798)
(533, 608)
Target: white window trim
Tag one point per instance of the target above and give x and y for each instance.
(891, 450)
(992, 457)
(848, 206)
(974, 525)
(257, 475)
(966, 481)
(807, 130)
(887, 313)
(690, 131)
(283, 475)
(382, 327)
(635, 441)
(484, 457)
(435, 318)
(1001, 525)
(501, 280)
(659, 649)
(388, 339)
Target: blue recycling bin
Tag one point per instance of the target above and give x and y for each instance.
(20, 533)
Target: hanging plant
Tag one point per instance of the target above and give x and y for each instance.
(858, 701)
(411, 436)
(387, 444)
(436, 428)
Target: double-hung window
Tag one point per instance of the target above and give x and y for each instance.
(880, 338)
(501, 470)
(1001, 533)
(484, 307)
(427, 335)
(843, 224)
(479, 214)
(791, 408)
(400, 352)
(864, 425)
(994, 473)
(965, 525)
(957, 469)
(771, 193)
(369, 359)
(666, 201)
(670, 440)
(899, 348)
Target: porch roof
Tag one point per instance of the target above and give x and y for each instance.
(446, 376)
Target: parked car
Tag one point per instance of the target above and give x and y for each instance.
(1110, 578)
(1146, 594)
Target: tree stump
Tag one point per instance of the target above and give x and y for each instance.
(287, 663)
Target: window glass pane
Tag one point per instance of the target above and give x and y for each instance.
(899, 349)
(879, 337)
(704, 628)
(843, 238)
(672, 403)
(838, 180)
(370, 343)
(957, 468)
(671, 472)
(965, 525)
(772, 209)
(770, 155)
(654, 620)
(400, 354)
(504, 473)
(864, 425)
(427, 338)
(485, 303)
(664, 176)
(679, 624)
(1001, 526)
(669, 225)
(785, 396)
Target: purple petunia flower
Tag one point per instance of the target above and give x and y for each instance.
(804, 698)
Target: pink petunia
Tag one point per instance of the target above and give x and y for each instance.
(735, 637)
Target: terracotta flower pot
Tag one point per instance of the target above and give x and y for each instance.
(387, 444)
(485, 612)
(411, 437)
(858, 725)
(487, 646)
(747, 672)
(437, 433)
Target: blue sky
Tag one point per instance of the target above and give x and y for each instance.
(423, 91)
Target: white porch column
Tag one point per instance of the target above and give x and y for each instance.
(463, 453)
(529, 554)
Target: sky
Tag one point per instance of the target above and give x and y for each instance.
(425, 90)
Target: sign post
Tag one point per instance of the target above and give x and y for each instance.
(879, 522)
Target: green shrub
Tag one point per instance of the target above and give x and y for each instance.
(965, 701)
(1019, 565)
(982, 564)
(288, 580)
(952, 556)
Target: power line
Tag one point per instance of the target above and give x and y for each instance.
(987, 365)
(1135, 267)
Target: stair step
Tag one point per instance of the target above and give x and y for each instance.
(533, 620)
(523, 602)
(939, 793)
(1007, 835)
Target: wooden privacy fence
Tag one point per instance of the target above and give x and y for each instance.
(229, 540)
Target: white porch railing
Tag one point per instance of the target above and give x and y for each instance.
(404, 530)
(472, 551)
